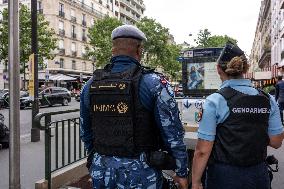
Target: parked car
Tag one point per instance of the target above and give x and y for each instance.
(49, 97)
(3, 94)
(4, 98)
(24, 103)
(54, 95)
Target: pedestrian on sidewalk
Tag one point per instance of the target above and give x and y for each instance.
(237, 125)
(129, 117)
(279, 95)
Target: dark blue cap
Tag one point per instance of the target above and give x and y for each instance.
(230, 51)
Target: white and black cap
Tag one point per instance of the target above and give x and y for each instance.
(128, 31)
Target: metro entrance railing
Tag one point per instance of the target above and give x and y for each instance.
(63, 145)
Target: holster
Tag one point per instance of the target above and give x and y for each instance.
(90, 159)
(161, 160)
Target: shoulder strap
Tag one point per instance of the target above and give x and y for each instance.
(263, 93)
(227, 92)
(99, 74)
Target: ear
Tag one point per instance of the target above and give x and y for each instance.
(139, 51)
(112, 50)
(219, 69)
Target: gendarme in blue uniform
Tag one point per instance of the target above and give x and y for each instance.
(156, 96)
(216, 110)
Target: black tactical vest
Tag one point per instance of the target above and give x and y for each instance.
(242, 138)
(121, 125)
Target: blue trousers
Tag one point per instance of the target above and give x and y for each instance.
(123, 173)
(223, 176)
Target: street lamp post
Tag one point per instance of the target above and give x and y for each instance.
(14, 88)
(35, 132)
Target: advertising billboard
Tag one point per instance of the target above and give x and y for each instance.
(200, 77)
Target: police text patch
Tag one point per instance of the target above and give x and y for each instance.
(251, 110)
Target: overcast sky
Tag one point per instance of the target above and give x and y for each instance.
(235, 18)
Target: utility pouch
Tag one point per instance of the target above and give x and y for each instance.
(161, 160)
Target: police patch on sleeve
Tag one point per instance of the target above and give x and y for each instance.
(199, 115)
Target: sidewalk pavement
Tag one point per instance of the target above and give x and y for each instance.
(84, 183)
(32, 163)
(32, 166)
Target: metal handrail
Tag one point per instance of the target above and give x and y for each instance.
(47, 131)
(39, 116)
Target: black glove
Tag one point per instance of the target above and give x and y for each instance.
(161, 160)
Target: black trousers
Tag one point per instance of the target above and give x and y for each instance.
(223, 176)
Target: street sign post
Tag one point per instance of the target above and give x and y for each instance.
(31, 76)
(46, 75)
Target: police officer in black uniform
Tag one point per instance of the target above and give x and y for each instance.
(238, 124)
(130, 121)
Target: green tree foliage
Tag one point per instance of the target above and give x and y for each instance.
(46, 39)
(171, 65)
(202, 38)
(205, 39)
(100, 39)
(158, 52)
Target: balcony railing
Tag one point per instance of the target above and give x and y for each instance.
(82, 5)
(128, 14)
(73, 19)
(88, 8)
(62, 14)
(61, 51)
(265, 57)
(61, 33)
(133, 7)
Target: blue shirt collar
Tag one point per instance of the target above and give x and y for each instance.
(236, 82)
(122, 63)
(124, 59)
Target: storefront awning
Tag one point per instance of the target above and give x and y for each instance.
(53, 77)
(61, 77)
(78, 76)
(262, 75)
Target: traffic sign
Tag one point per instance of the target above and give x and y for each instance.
(31, 76)
(46, 75)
